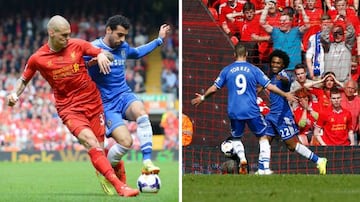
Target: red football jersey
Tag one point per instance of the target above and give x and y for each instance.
(336, 126)
(250, 27)
(66, 73)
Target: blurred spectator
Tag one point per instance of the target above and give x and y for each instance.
(336, 124)
(286, 37)
(338, 50)
(355, 70)
(321, 94)
(169, 81)
(227, 20)
(313, 12)
(248, 27)
(265, 44)
(170, 124)
(306, 114)
(139, 83)
(300, 80)
(130, 73)
(351, 102)
(343, 15)
(315, 51)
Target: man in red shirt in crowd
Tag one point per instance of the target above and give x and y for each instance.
(336, 124)
(265, 44)
(227, 20)
(78, 101)
(249, 32)
(351, 102)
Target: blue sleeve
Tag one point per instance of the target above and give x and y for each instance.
(221, 79)
(87, 58)
(141, 51)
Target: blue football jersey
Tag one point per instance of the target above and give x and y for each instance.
(113, 84)
(242, 79)
(279, 104)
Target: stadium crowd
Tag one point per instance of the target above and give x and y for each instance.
(321, 40)
(37, 125)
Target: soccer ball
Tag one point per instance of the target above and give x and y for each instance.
(227, 148)
(149, 183)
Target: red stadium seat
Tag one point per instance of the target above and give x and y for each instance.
(234, 40)
(214, 13)
(205, 2)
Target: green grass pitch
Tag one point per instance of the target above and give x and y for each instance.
(279, 188)
(76, 181)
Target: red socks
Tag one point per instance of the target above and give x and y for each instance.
(120, 171)
(101, 164)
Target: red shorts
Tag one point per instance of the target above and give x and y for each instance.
(77, 122)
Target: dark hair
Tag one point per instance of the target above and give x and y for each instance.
(240, 50)
(116, 20)
(334, 90)
(325, 17)
(288, 11)
(327, 73)
(300, 66)
(282, 55)
(248, 6)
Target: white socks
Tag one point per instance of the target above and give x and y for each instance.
(239, 149)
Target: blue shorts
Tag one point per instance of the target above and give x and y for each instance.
(284, 126)
(115, 111)
(257, 125)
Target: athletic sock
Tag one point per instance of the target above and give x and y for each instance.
(102, 165)
(119, 169)
(145, 133)
(306, 152)
(239, 149)
(115, 153)
(264, 155)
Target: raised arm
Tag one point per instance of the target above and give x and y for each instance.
(306, 25)
(141, 51)
(268, 28)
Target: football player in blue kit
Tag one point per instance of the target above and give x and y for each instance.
(118, 99)
(242, 79)
(280, 119)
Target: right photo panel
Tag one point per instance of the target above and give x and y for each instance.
(270, 100)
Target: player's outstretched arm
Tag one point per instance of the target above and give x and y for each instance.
(164, 30)
(13, 97)
(201, 98)
(289, 96)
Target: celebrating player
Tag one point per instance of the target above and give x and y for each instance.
(280, 119)
(78, 102)
(118, 99)
(241, 79)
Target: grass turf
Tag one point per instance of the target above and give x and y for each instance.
(294, 188)
(76, 181)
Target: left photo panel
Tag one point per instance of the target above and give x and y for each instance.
(89, 100)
